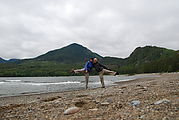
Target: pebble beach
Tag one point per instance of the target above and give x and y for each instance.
(144, 98)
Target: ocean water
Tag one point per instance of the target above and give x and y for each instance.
(13, 86)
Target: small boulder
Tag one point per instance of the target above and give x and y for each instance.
(141, 117)
(135, 102)
(71, 110)
(105, 103)
(162, 101)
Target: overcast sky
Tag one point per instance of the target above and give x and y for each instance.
(29, 28)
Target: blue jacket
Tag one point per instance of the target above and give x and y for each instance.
(89, 66)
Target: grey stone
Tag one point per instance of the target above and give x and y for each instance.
(135, 102)
(71, 110)
(142, 116)
(104, 103)
(162, 101)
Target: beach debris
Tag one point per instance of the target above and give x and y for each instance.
(135, 102)
(105, 103)
(71, 110)
(162, 101)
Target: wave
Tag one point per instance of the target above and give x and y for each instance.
(12, 80)
(2, 82)
(126, 79)
(57, 83)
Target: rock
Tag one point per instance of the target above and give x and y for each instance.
(71, 110)
(141, 87)
(38, 97)
(162, 101)
(135, 102)
(81, 95)
(138, 85)
(145, 87)
(165, 118)
(118, 105)
(104, 103)
(109, 100)
(142, 116)
(95, 109)
(50, 99)
(96, 101)
(80, 103)
(99, 118)
(123, 87)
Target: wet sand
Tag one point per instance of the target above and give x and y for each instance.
(157, 99)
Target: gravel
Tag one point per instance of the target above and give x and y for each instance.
(153, 98)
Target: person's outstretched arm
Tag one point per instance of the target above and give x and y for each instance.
(103, 66)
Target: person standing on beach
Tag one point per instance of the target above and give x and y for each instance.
(101, 69)
(86, 70)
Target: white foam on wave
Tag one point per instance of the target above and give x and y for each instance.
(68, 82)
(12, 80)
(2, 82)
(126, 79)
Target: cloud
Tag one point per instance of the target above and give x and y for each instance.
(110, 28)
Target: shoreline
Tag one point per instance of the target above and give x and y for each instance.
(97, 74)
(79, 89)
(117, 99)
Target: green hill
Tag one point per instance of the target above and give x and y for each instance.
(151, 59)
(73, 53)
(148, 54)
(59, 62)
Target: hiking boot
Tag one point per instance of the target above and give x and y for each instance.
(116, 73)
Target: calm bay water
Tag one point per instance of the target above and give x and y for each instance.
(12, 86)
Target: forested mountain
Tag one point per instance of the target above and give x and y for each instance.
(151, 59)
(148, 54)
(59, 62)
(73, 53)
